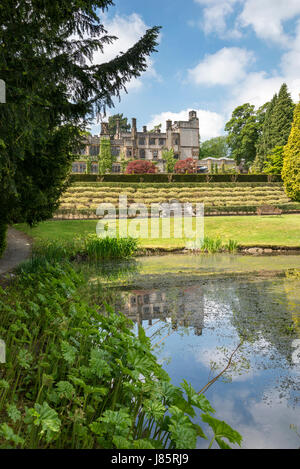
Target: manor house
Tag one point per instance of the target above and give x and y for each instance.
(182, 136)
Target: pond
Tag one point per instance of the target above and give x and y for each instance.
(198, 309)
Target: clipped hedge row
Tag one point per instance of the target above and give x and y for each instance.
(3, 229)
(165, 178)
(83, 186)
(232, 209)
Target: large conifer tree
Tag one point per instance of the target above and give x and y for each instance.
(263, 146)
(53, 90)
(281, 119)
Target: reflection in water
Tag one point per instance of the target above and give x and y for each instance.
(179, 308)
(198, 313)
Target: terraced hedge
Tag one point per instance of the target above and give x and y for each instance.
(84, 198)
(164, 178)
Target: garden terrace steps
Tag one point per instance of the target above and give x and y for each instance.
(82, 199)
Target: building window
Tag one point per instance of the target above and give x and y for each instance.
(115, 151)
(133, 300)
(79, 167)
(116, 168)
(152, 141)
(146, 299)
(175, 141)
(142, 154)
(162, 141)
(94, 168)
(128, 152)
(142, 141)
(155, 155)
(94, 150)
(176, 157)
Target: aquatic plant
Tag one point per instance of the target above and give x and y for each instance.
(89, 248)
(213, 245)
(109, 247)
(75, 378)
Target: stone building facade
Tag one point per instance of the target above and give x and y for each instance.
(182, 136)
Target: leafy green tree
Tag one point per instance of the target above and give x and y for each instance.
(112, 124)
(156, 128)
(291, 161)
(168, 156)
(53, 93)
(105, 159)
(214, 148)
(274, 161)
(124, 162)
(243, 131)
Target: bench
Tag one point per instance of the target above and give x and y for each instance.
(268, 210)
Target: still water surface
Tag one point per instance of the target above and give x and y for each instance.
(197, 309)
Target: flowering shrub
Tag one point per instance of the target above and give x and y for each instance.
(188, 166)
(141, 167)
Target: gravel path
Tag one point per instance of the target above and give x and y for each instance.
(18, 250)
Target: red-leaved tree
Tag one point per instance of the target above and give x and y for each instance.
(141, 167)
(188, 166)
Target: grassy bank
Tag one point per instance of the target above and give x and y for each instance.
(249, 231)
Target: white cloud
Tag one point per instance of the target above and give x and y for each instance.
(211, 123)
(226, 67)
(290, 61)
(215, 13)
(259, 88)
(264, 425)
(267, 18)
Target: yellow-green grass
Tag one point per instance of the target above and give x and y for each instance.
(246, 230)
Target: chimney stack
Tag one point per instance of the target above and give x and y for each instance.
(169, 125)
(118, 129)
(144, 128)
(104, 129)
(192, 115)
(133, 128)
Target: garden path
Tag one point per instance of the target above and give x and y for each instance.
(18, 250)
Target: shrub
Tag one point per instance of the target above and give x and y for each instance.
(274, 161)
(160, 178)
(3, 229)
(141, 167)
(187, 166)
(291, 163)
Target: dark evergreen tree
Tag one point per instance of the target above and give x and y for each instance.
(52, 92)
(281, 119)
(263, 146)
(112, 124)
(276, 126)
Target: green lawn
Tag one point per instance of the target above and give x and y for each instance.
(253, 230)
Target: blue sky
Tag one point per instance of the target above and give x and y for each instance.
(213, 55)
